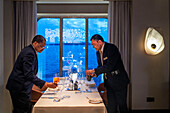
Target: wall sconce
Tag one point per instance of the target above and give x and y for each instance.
(154, 42)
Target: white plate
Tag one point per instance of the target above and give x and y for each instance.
(55, 89)
(95, 101)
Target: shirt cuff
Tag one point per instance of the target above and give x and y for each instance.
(94, 73)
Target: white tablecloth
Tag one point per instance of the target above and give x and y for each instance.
(77, 103)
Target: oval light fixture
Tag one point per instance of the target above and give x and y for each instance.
(154, 42)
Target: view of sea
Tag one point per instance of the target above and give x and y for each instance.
(74, 50)
(73, 54)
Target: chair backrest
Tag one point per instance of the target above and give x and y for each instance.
(36, 93)
(103, 92)
(101, 87)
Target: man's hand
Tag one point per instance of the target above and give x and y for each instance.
(89, 72)
(50, 85)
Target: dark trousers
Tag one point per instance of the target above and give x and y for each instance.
(117, 100)
(21, 102)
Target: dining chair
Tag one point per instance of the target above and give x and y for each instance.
(36, 93)
(103, 93)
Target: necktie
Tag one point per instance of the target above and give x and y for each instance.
(101, 58)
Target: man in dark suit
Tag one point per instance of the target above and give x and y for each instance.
(23, 75)
(115, 77)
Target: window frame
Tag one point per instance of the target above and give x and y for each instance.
(61, 35)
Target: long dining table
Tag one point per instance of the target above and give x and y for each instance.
(70, 101)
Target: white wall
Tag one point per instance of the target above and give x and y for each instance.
(150, 74)
(8, 64)
(1, 54)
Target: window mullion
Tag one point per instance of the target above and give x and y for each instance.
(61, 46)
(86, 44)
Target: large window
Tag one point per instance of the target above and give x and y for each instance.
(74, 44)
(68, 46)
(48, 60)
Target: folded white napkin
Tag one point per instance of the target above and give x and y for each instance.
(95, 100)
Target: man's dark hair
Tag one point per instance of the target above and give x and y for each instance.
(97, 37)
(38, 38)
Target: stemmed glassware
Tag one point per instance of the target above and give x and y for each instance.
(56, 80)
(66, 75)
(79, 80)
(62, 85)
(82, 82)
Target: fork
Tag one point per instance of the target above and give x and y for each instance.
(58, 99)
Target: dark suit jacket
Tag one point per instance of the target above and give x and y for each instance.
(112, 61)
(23, 75)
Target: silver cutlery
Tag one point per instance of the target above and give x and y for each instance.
(56, 99)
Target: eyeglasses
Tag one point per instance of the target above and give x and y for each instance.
(41, 45)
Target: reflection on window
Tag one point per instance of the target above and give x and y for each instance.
(49, 59)
(95, 26)
(74, 45)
